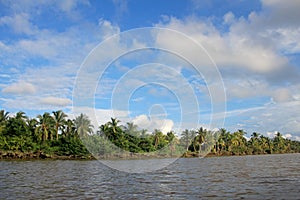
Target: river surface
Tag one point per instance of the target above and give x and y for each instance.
(245, 177)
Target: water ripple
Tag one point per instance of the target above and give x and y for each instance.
(249, 177)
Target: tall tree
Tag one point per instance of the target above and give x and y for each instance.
(45, 128)
(159, 139)
(114, 125)
(131, 129)
(21, 116)
(69, 127)
(59, 120)
(201, 137)
(186, 139)
(255, 143)
(279, 145)
(3, 120)
(3, 116)
(32, 125)
(83, 125)
(238, 142)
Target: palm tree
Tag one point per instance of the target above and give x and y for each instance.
(45, 126)
(172, 140)
(83, 125)
(279, 143)
(255, 143)
(159, 139)
(3, 120)
(143, 133)
(114, 124)
(186, 138)
(237, 142)
(264, 144)
(104, 128)
(3, 116)
(131, 129)
(32, 125)
(69, 127)
(59, 119)
(194, 139)
(201, 137)
(21, 116)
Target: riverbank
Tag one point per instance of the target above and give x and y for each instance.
(12, 155)
(17, 155)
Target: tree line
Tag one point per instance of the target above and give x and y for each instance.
(54, 133)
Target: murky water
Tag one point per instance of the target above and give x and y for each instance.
(249, 177)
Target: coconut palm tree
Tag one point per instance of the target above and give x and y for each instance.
(186, 138)
(131, 129)
(45, 128)
(255, 143)
(32, 125)
(59, 119)
(69, 127)
(3, 120)
(201, 137)
(279, 143)
(21, 116)
(114, 125)
(3, 116)
(83, 125)
(238, 142)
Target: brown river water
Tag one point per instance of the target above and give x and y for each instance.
(243, 177)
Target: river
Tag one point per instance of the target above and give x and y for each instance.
(236, 177)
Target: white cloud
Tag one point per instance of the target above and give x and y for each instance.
(20, 88)
(245, 88)
(55, 101)
(280, 13)
(67, 5)
(287, 136)
(282, 95)
(227, 50)
(271, 134)
(229, 18)
(282, 117)
(107, 29)
(254, 47)
(100, 116)
(19, 23)
(142, 121)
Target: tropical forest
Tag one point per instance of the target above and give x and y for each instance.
(54, 135)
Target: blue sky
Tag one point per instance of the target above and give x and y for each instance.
(254, 45)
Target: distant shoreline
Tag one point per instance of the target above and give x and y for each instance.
(11, 155)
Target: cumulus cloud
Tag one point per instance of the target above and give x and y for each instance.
(229, 18)
(282, 117)
(252, 55)
(282, 95)
(107, 28)
(227, 50)
(20, 23)
(164, 125)
(100, 116)
(20, 88)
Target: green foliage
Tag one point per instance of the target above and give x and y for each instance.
(54, 134)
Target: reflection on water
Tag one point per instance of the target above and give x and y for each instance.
(250, 177)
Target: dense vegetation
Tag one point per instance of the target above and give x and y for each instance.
(55, 134)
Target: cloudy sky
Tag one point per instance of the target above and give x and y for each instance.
(232, 64)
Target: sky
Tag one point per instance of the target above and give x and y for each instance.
(168, 65)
